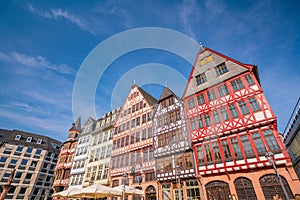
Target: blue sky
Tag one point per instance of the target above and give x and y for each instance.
(43, 44)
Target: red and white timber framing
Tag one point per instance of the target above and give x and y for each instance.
(215, 128)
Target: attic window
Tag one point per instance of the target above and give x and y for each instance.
(39, 141)
(201, 78)
(54, 145)
(221, 69)
(29, 139)
(18, 137)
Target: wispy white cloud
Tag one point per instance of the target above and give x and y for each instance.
(38, 62)
(58, 14)
(187, 10)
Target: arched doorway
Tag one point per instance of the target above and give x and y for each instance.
(217, 190)
(271, 186)
(150, 193)
(244, 189)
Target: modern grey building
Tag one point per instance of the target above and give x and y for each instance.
(34, 158)
(292, 138)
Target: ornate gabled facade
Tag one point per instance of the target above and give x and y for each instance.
(65, 159)
(232, 126)
(132, 151)
(81, 154)
(172, 150)
(97, 169)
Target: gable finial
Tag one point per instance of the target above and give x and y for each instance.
(166, 84)
(134, 82)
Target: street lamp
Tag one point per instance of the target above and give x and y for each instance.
(177, 170)
(270, 157)
(124, 178)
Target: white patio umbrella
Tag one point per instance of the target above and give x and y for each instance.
(130, 190)
(97, 191)
(67, 193)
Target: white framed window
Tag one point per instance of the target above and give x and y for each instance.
(29, 139)
(18, 137)
(39, 141)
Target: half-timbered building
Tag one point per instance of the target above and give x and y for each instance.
(174, 159)
(232, 129)
(65, 159)
(132, 160)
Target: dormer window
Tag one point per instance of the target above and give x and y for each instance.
(54, 145)
(18, 137)
(29, 139)
(221, 69)
(39, 141)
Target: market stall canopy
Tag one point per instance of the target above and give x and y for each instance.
(96, 191)
(130, 190)
(68, 192)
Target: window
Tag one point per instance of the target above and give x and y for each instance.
(143, 118)
(221, 69)
(39, 141)
(237, 84)
(28, 176)
(137, 121)
(145, 155)
(3, 159)
(253, 104)
(24, 162)
(201, 78)
(144, 134)
(18, 137)
(29, 150)
(272, 143)
(19, 149)
(18, 175)
(193, 124)
(22, 190)
(233, 111)
(247, 146)
(200, 122)
(244, 189)
(191, 103)
(249, 79)
(200, 155)
(207, 153)
(224, 114)
(192, 189)
(236, 148)
(226, 149)
(207, 119)
(216, 116)
(260, 147)
(38, 151)
(216, 150)
(29, 139)
(271, 186)
(200, 99)
(150, 132)
(150, 176)
(223, 90)
(243, 107)
(13, 161)
(211, 95)
(137, 136)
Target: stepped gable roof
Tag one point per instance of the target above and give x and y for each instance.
(149, 98)
(47, 143)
